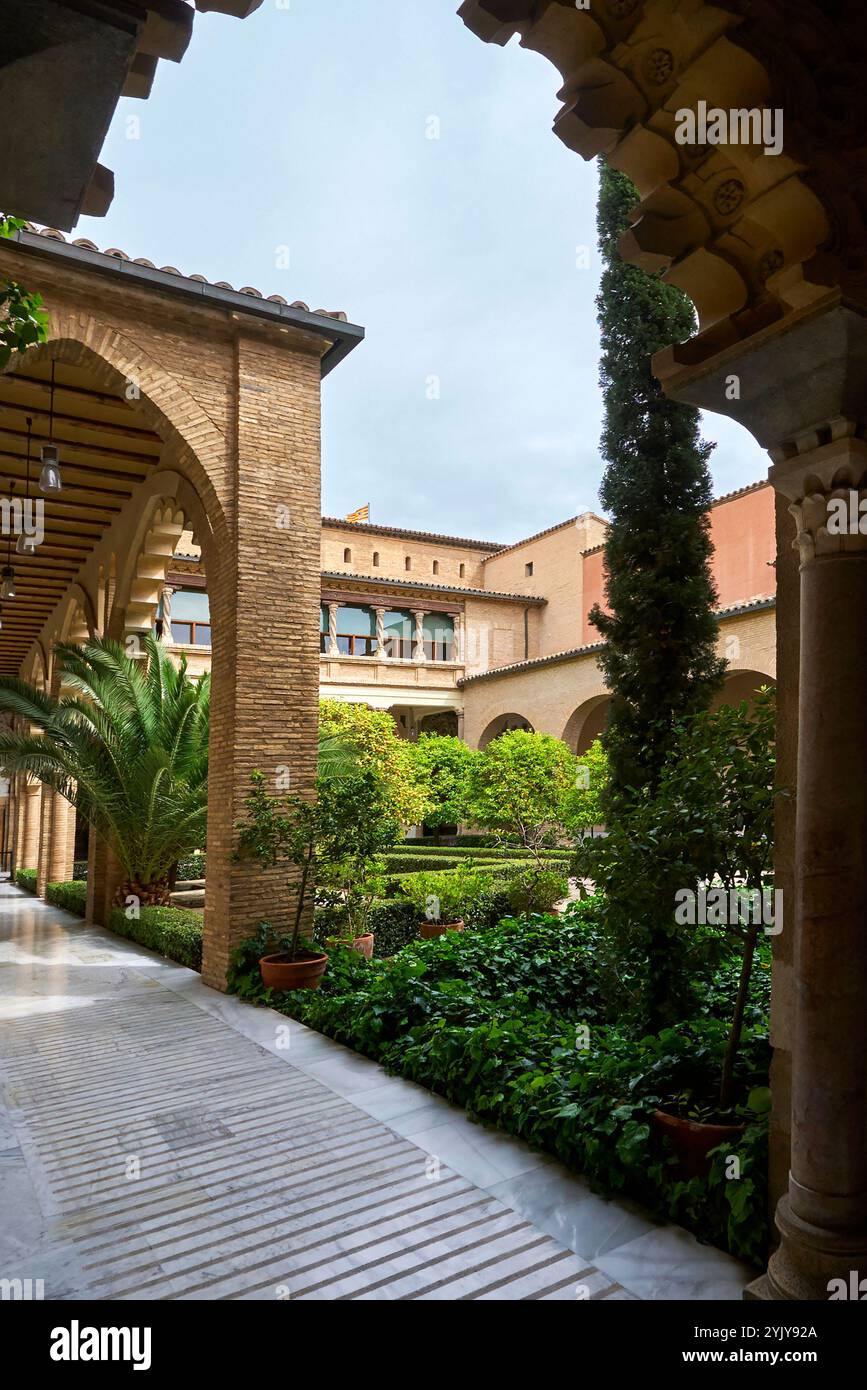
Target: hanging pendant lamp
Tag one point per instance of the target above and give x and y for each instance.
(50, 479)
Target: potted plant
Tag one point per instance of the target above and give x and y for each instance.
(280, 829)
(442, 899)
(354, 905)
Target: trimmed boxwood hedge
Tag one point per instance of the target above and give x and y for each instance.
(26, 879)
(72, 897)
(460, 852)
(172, 931)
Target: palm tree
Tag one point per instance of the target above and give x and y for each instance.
(129, 749)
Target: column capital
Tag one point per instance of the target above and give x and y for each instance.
(826, 487)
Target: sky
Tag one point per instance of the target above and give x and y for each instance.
(380, 159)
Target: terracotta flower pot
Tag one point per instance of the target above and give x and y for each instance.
(692, 1142)
(363, 945)
(282, 974)
(431, 930)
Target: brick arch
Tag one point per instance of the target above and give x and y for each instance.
(116, 361)
(504, 723)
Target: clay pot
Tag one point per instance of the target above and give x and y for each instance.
(692, 1142)
(363, 945)
(282, 974)
(429, 931)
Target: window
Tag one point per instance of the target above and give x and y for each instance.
(436, 566)
(399, 630)
(190, 618)
(376, 559)
(439, 637)
(324, 629)
(528, 571)
(463, 571)
(356, 632)
(408, 565)
(347, 556)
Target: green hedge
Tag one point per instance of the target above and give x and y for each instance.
(72, 897)
(26, 879)
(79, 871)
(459, 852)
(191, 868)
(393, 923)
(171, 931)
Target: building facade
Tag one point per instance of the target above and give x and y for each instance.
(471, 638)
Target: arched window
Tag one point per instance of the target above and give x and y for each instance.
(399, 630)
(436, 566)
(347, 556)
(376, 559)
(356, 632)
(190, 618)
(439, 637)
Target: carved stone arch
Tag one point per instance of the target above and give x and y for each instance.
(169, 506)
(36, 666)
(586, 723)
(78, 622)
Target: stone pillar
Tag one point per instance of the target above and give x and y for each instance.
(46, 818)
(418, 650)
(166, 613)
(333, 610)
(264, 583)
(460, 639)
(380, 634)
(823, 1219)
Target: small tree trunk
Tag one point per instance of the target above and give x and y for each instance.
(734, 1042)
(302, 894)
(155, 894)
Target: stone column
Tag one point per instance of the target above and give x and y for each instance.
(333, 610)
(46, 819)
(418, 650)
(823, 1219)
(62, 845)
(380, 634)
(166, 611)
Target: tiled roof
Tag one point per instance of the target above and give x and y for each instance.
(367, 528)
(380, 582)
(532, 665)
(756, 605)
(549, 531)
(53, 235)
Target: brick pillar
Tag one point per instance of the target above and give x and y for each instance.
(265, 594)
(30, 836)
(104, 873)
(46, 822)
(62, 844)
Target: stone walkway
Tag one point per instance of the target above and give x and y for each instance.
(162, 1141)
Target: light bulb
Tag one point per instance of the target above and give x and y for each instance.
(50, 479)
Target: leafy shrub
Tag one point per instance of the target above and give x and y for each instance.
(394, 924)
(419, 863)
(26, 879)
(79, 871)
(413, 848)
(173, 932)
(509, 1022)
(447, 897)
(72, 897)
(536, 890)
(191, 868)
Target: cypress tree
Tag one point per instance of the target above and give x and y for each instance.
(660, 659)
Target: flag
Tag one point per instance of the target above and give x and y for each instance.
(363, 514)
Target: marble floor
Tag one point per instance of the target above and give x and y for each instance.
(161, 1141)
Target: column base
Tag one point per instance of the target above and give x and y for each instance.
(759, 1291)
(810, 1258)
